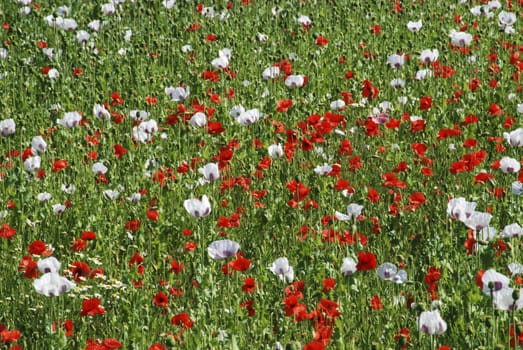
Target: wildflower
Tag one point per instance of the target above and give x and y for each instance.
(512, 231)
(396, 61)
(428, 56)
(460, 39)
(353, 212)
(460, 209)
(272, 72)
(92, 307)
(182, 319)
(48, 265)
(100, 112)
(492, 281)
(248, 117)
(366, 261)
(199, 119)
(295, 81)
(210, 172)
(32, 163)
(7, 127)
(414, 26)
(223, 249)
(430, 322)
(515, 137)
(178, 94)
(509, 165)
(389, 272)
(52, 284)
(282, 269)
(70, 119)
(38, 145)
(275, 151)
(198, 208)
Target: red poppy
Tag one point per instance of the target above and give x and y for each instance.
(249, 285)
(156, 346)
(425, 103)
(240, 263)
(495, 110)
(283, 105)
(111, 343)
(176, 267)
(321, 41)
(92, 307)
(328, 284)
(29, 267)
(39, 248)
(161, 299)
(80, 271)
(132, 225)
(329, 307)
(88, 235)
(366, 261)
(182, 319)
(119, 151)
(59, 165)
(79, 245)
(248, 305)
(375, 303)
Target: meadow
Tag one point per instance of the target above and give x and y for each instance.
(232, 175)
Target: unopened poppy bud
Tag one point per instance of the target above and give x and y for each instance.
(519, 329)
(293, 346)
(491, 285)
(515, 294)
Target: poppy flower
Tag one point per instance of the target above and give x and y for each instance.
(493, 281)
(414, 26)
(366, 261)
(430, 322)
(7, 127)
(425, 103)
(353, 212)
(182, 319)
(198, 208)
(321, 41)
(92, 307)
(509, 165)
(70, 119)
(223, 249)
(460, 209)
(296, 81)
(161, 299)
(389, 272)
(52, 284)
(281, 268)
(249, 285)
(210, 172)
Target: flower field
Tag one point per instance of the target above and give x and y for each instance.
(233, 175)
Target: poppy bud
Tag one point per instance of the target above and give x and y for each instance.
(293, 346)
(515, 294)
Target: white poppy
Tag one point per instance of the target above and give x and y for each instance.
(198, 208)
(281, 268)
(430, 322)
(52, 284)
(7, 127)
(223, 249)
